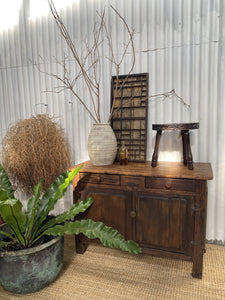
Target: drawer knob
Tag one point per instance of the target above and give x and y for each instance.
(168, 185)
(98, 178)
(133, 214)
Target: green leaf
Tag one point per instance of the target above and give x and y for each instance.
(3, 194)
(31, 203)
(5, 183)
(107, 235)
(12, 214)
(2, 244)
(54, 193)
(6, 234)
(32, 207)
(72, 212)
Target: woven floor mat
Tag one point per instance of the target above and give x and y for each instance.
(103, 273)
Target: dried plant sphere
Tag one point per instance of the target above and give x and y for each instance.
(33, 149)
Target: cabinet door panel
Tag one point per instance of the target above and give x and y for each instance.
(164, 221)
(111, 206)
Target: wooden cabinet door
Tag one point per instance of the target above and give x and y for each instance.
(111, 206)
(164, 221)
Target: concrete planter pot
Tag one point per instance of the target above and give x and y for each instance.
(102, 145)
(29, 270)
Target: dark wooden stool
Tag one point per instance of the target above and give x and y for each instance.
(184, 128)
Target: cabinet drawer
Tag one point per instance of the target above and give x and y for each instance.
(100, 178)
(170, 184)
(133, 181)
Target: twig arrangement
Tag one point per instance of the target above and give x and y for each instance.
(163, 95)
(170, 94)
(34, 149)
(91, 73)
(90, 65)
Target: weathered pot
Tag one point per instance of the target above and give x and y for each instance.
(102, 145)
(29, 270)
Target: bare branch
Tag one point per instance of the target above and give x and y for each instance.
(163, 95)
(130, 40)
(91, 73)
(119, 87)
(65, 34)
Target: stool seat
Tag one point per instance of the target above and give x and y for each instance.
(184, 129)
(175, 126)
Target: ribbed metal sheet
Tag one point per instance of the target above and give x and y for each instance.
(181, 44)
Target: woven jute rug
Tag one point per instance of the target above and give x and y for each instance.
(103, 273)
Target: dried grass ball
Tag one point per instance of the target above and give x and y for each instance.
(33, 149)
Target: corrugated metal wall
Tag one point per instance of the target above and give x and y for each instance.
(180, 43)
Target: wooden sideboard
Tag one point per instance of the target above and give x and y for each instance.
(163, 209)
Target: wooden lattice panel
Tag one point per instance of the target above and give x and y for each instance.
(129, 120)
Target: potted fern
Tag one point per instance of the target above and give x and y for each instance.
(31, 242)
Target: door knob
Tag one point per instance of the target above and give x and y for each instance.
(168, 185)
(98, 179)
(133, 214)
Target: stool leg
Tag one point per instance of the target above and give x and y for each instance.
(155, 153)
(184, 148)
(186, 139)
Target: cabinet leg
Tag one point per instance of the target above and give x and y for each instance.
(155, 153)
(197, 263)
(80, 245)
(196, 275)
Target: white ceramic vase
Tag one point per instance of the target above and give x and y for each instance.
(102, 144)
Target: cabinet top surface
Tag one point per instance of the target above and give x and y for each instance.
(202, 171)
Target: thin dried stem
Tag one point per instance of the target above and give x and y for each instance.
(92, 73)
(169, 94)
(118, 86)
(164, 95)
(89, 82)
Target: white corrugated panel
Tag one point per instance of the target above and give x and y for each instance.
(181, 44)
